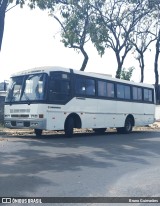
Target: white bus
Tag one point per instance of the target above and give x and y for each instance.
(55, 98)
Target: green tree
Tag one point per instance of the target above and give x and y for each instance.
(78, 25)
(126, 74)
(142, 37)
(120, 17)
(76, 18)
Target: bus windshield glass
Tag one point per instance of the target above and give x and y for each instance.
(27, 88)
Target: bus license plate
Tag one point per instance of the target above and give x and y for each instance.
(19, 124)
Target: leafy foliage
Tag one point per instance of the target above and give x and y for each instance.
(126, 74)
(143, 36)
(119, 18)
(120, 25)
(78, 21)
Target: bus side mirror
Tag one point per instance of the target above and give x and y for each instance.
(5, 85)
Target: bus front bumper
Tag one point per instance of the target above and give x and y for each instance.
(25, 123)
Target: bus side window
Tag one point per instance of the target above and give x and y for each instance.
(85, 86)
(80, 86)
(148, 95)
(90, 87)
(123, 91)
(137, 93)
(59, 87)
(127, 92)
(120, 91)
(110, 89)
(102, 89)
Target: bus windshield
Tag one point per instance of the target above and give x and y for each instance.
(27, 88)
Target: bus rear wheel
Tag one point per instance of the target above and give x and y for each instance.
(69, 126)
(38, 132)
(127, 126)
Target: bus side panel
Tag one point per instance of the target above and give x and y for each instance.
(123, 110)
(143, 113)
(106, 114)
(86, 109)
(55, 120)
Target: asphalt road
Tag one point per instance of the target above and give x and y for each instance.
(89, 165)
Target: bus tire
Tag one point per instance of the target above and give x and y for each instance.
(128, 126)
(69, 126)
(99, 130)
(38, 132)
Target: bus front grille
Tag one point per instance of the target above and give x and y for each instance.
(20, 124)
(20, 115)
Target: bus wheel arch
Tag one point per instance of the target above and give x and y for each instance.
(72, 121)
(131, 117)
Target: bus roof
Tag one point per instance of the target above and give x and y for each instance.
(48, 69)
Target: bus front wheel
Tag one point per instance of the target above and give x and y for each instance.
(38, 132)
(69, 126)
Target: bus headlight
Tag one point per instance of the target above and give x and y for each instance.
(7, 123)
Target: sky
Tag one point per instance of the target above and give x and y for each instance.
(32, 39)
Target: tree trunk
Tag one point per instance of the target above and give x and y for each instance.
(2, 17)
(141, 64)
(119, 69)
(85, 61)
(3, 7)
(156, 67)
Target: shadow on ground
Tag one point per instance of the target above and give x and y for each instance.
(25, 160)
